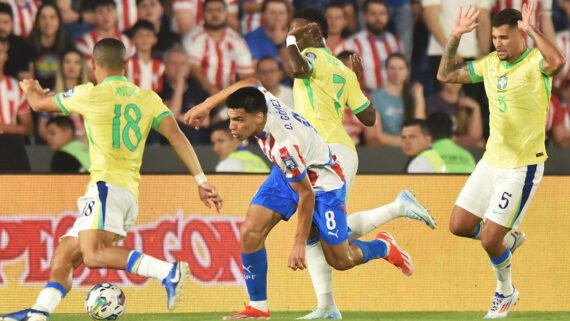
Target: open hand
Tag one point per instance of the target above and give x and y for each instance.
(465, 22)
(526, 12)
(307, 34)
(209, 193)
(297, 257)
(30, 86)
(356, 65)
(197, 115)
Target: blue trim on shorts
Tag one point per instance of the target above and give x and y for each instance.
(528, 184)
(103, 190)
(298, 178)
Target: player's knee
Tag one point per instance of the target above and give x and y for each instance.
(341, 264)
(491, 243)
(91, 260)
(458, 229)
(250, 237)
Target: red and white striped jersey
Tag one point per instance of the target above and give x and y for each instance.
(291, 143)
(126, 13)
(12, 101)
(353, 126)
(342, 46)
(24, 16)
(220, 61)
(541, 7)
(196, 7)
(252, 21)
(86, 44)
(146, 76)
(374, 52)
(558, 113)
(563, 43)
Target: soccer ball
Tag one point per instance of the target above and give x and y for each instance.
(105, 301)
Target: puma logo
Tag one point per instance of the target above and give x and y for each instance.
(335, 234)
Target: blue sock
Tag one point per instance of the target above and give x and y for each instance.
(478, 229)
(133, 261)
(255, 274)
(371, 250)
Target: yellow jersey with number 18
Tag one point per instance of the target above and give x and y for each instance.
(519, 97)
(118, 116)
(322, 97)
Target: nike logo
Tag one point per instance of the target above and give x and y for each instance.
(335, 234)
(500, 213)
(176, 278)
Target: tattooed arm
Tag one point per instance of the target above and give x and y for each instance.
(449, 70)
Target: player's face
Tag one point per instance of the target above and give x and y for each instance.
(336, 20)
(215, 15)
(244, 125)
(144, 40)
(6, 25)
(414, 141)
(106, 17)
(276, 15)
(223, 143)
(268, 73)
(57, 137)
(508, 42)
(48, 21)
(397, 71)
(150, 10)
(72, 65)
(376, 18)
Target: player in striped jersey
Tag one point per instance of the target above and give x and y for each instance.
(190, 13)
(336, 18)
(143, 70)
(15, 115)
(517, 82)
(374, 44)
(126, 14)
(24, 15)
(541, 16)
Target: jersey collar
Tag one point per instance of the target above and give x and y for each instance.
(524, 54)
(113, 78)
(325, 50)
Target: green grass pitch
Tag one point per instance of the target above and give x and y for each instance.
(352, 316)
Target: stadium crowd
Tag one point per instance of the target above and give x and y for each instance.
(187, 50)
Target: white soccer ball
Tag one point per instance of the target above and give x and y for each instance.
(105, 301)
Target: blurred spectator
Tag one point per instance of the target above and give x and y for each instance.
(217, 53)
(336, 18)
(269, 39)
(24, 15)
(400, 12)
(48, 40)
(234, 157)
(70, 154)
(396, 102)
(71, 72)
(563, 43)
(374, 44)
(558, 119)
(126, 14)
(270, 75)
(143, 70)
(541, 17)
(457, 159)
(180, 94)
(15, 114)
(464, 111)
(190, 13)
(69, 14)
(153, 11)
(105, 27)
(416, 144)
(20, 55)
(77, 17)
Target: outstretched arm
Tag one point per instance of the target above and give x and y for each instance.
(553, 58)
(449, 70)
(37, 97)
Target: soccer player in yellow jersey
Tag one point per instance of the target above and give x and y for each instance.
(498, 192)
(118, 116)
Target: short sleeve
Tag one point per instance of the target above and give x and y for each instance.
(243, 57)
(160, 111)
(355, 99)
(75, 100)
(312, 56)
(477, 69)
(537, 58)
(291, 163)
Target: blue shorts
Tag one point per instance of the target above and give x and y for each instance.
(329, 216)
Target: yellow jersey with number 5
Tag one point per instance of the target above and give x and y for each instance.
(519, 97)
(322, 97)
(118, 117)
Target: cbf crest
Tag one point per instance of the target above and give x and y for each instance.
(502, 83)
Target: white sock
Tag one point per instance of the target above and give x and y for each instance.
(320, 272)
(260, 305)
(148, 266)
(361, 223)
(503, 274)
(48, 300)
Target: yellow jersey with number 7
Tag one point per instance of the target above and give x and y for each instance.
(118, 117)
(322, 97)
(519, 97)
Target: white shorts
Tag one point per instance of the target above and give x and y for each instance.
(348, 160)
(501, 195)
(105, 207)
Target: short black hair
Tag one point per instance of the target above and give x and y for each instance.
(141, 25)
(337, 5)
(417, 122)
(110, 53)
(267, 2)
(369, 2)
(5, 8)
(264, 58)
(440, 125)
(104, 3)
(210, 1)
(248, 98)
(507, 17)
(313, 15)
(344, 55)
(63, 122)
(223, 125)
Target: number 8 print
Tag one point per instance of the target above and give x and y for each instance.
(331, 223)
